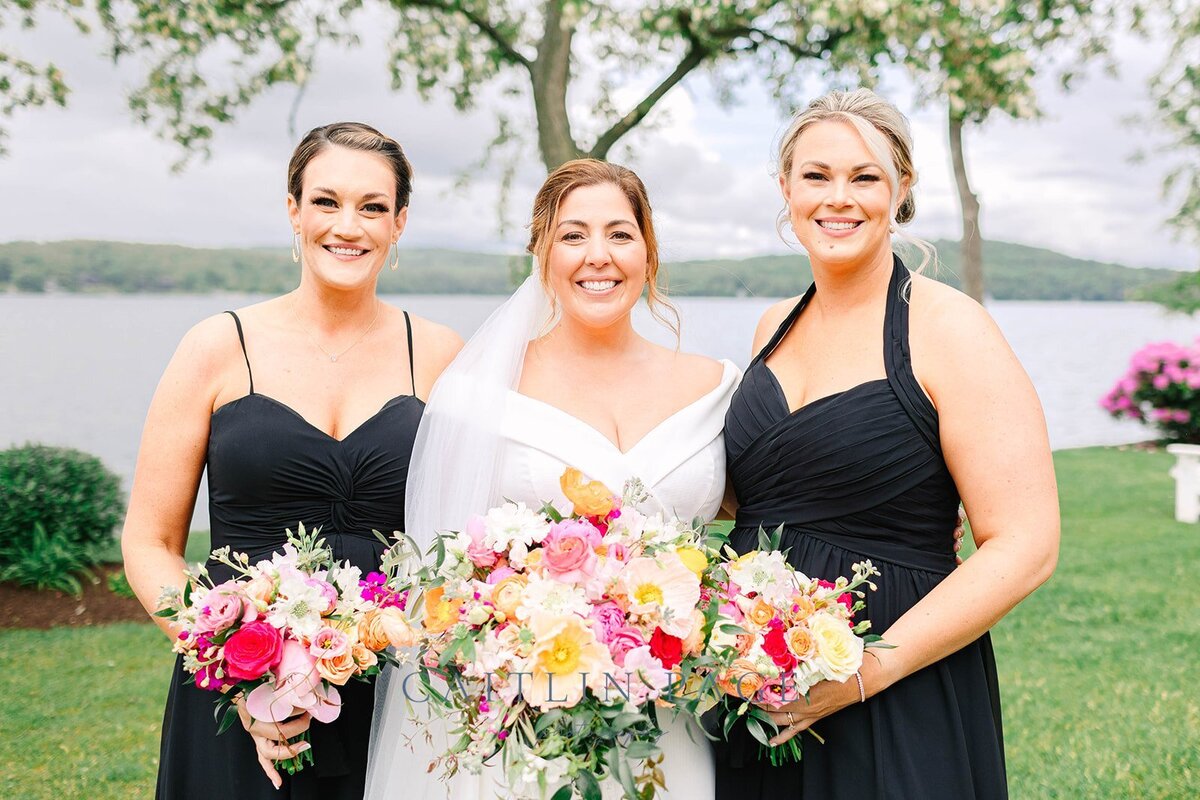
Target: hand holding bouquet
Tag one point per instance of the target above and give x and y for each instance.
(284, 633)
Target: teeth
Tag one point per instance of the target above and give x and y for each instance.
(838, 226)
(597, 286)
(346, 251)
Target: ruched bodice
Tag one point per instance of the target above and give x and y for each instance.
(269, 469)
(863, 465)
(852, 476)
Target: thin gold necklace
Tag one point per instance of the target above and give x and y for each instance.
(333, 357)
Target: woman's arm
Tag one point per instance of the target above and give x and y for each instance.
(993, 437)
(170, 460)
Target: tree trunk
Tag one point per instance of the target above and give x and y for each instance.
(972, 240)
(550, 74)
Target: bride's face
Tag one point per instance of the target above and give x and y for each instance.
(597, 264)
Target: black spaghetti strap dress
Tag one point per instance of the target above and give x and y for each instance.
(268, 469)
(852, 476)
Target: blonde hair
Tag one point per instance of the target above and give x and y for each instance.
(592, 172)
(355, 136)
(887, 135)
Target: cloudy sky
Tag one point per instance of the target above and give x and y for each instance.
(1065, 182)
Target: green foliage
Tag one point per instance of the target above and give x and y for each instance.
(69, 495)
(24, 84)
(45, 561)
(1176, 92)
(1016, 272)
(118, 584)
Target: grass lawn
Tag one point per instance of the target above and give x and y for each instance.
(1095, 668)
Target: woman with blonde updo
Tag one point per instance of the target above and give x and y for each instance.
(873, 403)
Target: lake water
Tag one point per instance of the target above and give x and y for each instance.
(79, 370)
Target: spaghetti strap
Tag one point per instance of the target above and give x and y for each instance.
(785, 326)
(245, 355)
(412, 375)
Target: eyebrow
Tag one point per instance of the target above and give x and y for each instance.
(614, 223)
(856, 168)
(367, 196)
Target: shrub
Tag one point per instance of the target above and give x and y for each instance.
(74, 498)
(118, 584)
(1161, 387)
(46, 561)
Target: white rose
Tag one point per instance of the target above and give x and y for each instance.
(839, 651)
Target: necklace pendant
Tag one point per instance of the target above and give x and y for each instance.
(333, 358)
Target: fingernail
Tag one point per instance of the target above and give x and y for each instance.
(303, 746)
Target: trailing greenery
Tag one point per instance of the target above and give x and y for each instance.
(1095, 668)
(1014, 272)
(74, 499)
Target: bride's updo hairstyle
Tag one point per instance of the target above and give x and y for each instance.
(887, 135)
(592, 172)
(353, 136)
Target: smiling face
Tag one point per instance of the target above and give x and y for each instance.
(839, 199)
(596, 265)
(346, 216)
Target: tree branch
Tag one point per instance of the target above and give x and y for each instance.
(486, 28)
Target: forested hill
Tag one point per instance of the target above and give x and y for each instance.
(1014, 272)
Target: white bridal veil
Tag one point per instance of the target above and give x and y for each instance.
(454, 473)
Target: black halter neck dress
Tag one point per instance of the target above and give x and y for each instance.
(857, 475)
(268, 469)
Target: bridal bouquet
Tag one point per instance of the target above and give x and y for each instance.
(285, 632)
(556, 639)
(779, 632)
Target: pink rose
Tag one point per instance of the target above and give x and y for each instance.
(622, 641)
(499, 574)
(607, 618)
(481, 554)
(252, 650)
(568, 552)
(223, 606)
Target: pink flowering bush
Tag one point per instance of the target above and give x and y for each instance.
(1161, 387)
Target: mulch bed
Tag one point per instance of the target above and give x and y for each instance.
(30, 608)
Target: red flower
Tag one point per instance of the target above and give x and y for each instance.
(775, 645)
(252, 650)
(666, 648)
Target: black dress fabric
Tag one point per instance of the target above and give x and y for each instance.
(857, 475)
(268, 470)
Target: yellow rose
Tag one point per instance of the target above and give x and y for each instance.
(693, 559)
(440, 613)
(591, 499)
(837, 646)
(396, 628)
(371, 631)
(799, 641)
(337, 669)
(507, 594)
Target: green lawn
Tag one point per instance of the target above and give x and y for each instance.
(1096, 667)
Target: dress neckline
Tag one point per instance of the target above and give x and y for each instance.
(728, 369)
(280, 404)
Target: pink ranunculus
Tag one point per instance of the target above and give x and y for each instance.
(606, 619)
(622, 640)
(223, 606)
(253, 649)
(297, 688)
(568, 551)
(480, 554)
(499, 574)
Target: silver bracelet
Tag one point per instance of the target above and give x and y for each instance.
(862, 693)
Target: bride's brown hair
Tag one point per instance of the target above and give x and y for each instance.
(592, 172)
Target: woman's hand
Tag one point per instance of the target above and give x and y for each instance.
(271, 739)
(825, 698)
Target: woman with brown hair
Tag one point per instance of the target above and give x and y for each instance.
(303, 408)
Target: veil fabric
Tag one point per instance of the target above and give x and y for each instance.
(454, 473)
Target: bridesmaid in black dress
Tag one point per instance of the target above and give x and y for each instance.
(875, 401)
(303, 408)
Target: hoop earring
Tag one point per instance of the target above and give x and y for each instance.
(396, 261)
(295, 248)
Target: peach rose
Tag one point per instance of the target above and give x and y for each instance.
(760, 613)
(507, 594)
(396, 628)
(802, 607)
(741, 680)
(364, 657)
(371, 631)
(591, 499)
(337, 669)
(694, 641)
(440, 614)
(799, 641)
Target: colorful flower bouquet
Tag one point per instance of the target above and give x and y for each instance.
(1161, 386)
(779, 632)
(550, 642)
(284, 633)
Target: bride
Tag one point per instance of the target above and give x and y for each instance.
(558, 377)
